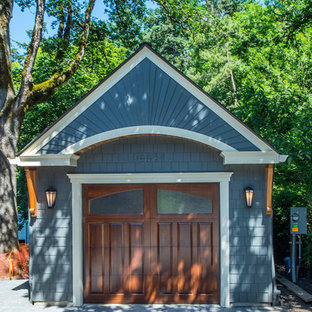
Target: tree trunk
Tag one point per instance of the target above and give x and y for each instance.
(9, 129)
(13, 106)
(232, 78)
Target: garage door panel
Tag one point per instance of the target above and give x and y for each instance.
(165, 257)
(205, 233)
(184, 256)
(136, 234)
(135, 284)
(116, 263)
(135, 275)
(206, 258)
(96, 257)
(155, 257)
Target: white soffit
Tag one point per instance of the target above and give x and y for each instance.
(241, 158)
(45, 160)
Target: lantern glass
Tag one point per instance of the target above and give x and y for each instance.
(51, 196)
(249, 196)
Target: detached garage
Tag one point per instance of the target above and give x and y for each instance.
(149, 191)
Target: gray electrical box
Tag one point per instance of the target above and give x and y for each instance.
(298, 220)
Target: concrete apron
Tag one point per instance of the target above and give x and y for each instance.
(14, 298)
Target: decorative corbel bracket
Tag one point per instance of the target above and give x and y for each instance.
(31, 178)
(269, 185)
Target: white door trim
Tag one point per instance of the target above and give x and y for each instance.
(78, 180)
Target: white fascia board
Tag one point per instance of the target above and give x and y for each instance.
(45, 160)
(86, 102)
(188, 177)
(143, 130)
(231, 158)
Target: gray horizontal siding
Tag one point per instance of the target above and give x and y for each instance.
(250, 229)
(250, 237)
(50, 240)
(147, 96)
(149, 154)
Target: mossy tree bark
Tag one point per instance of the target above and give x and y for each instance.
(14, 103)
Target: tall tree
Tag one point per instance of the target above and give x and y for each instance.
(167, 38)
(255, 58)
(66, 50)
(14, 103)
(101, 57)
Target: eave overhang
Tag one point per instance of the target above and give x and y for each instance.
(229, 158)
(261, 152)
(263, 157)
(45, 160)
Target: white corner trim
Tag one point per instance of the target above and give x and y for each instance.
(144, 130)
(78, 180)
(224, 244)
(45, 160)
(77, 248)
(269, 157)
(119, 74)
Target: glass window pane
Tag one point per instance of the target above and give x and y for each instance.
(173, 202)
(127, 202)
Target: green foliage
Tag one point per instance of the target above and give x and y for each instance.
(256, 60)
(294, 15)
(125, 21)
(100, 59)
(253, 57)
(167, 39)
(307, 250)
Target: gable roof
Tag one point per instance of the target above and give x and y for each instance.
(147, 95)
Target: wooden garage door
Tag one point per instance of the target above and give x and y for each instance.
(152, 243)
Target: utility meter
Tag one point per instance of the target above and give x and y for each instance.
(295, 217)
(298, 220)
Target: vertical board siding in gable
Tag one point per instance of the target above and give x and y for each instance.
(147, 96)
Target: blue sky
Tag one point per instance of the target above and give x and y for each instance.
(24, 21)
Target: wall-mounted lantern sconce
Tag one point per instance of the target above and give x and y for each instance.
(51, 196)
(249, 196)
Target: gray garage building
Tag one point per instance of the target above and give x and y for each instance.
(161, 195)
